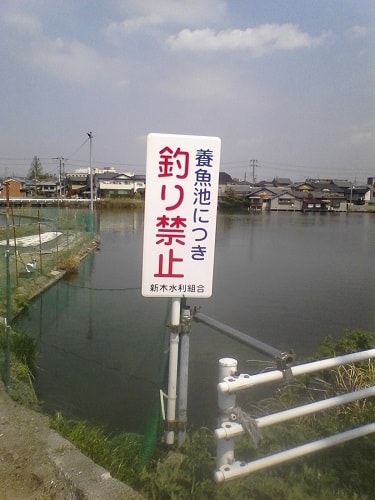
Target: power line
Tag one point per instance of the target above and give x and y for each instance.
(312, 170)
(79, 148)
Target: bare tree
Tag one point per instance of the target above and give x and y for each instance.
(36, 170)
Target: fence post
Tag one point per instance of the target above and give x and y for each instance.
(226, 401)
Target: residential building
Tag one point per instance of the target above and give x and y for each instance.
(16, 188)
(110, 184)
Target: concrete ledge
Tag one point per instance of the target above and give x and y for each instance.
(85, 479)
(36, 462)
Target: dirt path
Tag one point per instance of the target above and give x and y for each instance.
(36, 463)
(25, 469)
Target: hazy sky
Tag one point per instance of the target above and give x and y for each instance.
(289, 83)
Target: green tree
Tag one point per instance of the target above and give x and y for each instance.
(36, 170)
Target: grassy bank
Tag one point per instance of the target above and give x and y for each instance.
(344, 472)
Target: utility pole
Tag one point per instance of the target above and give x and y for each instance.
(61, 165)
(63, 176)
(91, 180)
(254, 165)
(6, 374)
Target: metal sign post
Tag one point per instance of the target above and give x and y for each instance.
(182, 177)
(173, 369)
(183, 372)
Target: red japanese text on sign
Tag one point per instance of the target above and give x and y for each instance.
(180, 215)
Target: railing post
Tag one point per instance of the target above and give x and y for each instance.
(226, 401)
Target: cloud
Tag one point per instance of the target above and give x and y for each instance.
(205, 85)
(362, 134)
(263, 39)
(23, 24)
(66, 60)
(71, 61)
(148, 13)
(215, 88)
(357, 32)
(191, 12)
(122, 83)
(131, 25)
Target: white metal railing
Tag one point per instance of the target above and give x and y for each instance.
(230, 382)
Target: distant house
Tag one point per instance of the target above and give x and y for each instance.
(239, 190)
(260, 198)
(46, 188)
(286, 201)
(106, 184)
(109, 184)
(77, 185)
(358, 195)
(352, 193)
(370, 195)
(23, 188)
(320, 201)
(303, 186)
(139, 183)
(16, 188)
(281, 182)
(306, 198)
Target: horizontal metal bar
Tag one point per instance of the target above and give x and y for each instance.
(281, 357)
(239, 469)
(229, 430)
(244, 381)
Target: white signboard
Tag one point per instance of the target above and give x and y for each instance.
(182, 177)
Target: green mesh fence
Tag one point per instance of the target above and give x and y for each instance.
(36, 245)
(155, 424)
(40, 242)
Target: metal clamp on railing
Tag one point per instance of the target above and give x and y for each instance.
(186, 319)
(283, 363)
(285, 359)
(173, 328)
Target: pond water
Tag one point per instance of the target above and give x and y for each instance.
(287, 279)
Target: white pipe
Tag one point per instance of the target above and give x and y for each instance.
(229, 430)
(227, 368)
(238, 469)
(225, 448)
(302, 411)
(244, 381)
(183, 382)
(173, 368)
